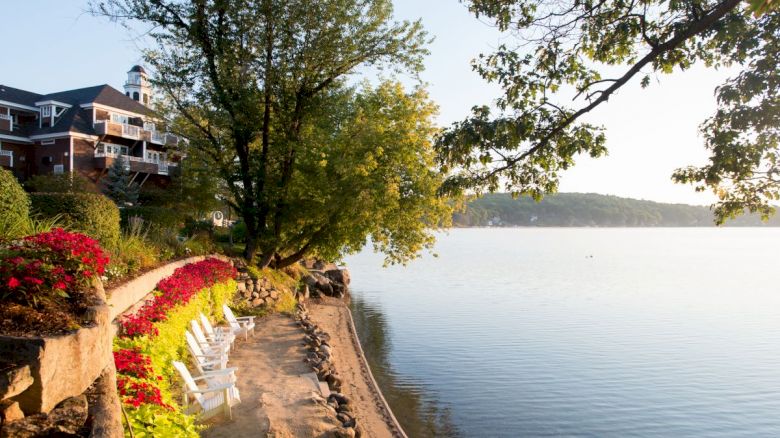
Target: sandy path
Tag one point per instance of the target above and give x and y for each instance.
(276, 397)
(332, 316)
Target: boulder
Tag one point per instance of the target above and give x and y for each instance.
(274, 294)
(61, 366)
(106, 411)
(258, 302)
(65, 420)
(241, 287)
(10, 412)
(338, 275)
(14, 379)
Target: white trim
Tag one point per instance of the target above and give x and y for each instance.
(48, 142)
(70, 163)
(112, 109)
(18, 105)
(53, 102)
(15, 138)
(64, 134)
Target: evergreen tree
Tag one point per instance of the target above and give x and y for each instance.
(118, 186)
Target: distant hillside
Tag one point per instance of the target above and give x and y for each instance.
(588, 210)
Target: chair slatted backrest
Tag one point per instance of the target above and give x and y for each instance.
(193, 345)
(207, 326)
(189, 382)
(199, 336)
(231, 319)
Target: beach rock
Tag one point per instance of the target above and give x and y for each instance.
(339, 397)
(258, 302)
(341, 432)
(241, 287)
(274, 294)
(338, 275)
(359, 432)
(346, 419)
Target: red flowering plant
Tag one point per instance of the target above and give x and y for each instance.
(136, 393)
(176, 290)
(52, 264)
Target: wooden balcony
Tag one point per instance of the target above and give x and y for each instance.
(135, 164)
(132, 132)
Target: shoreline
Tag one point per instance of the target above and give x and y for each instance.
(374, 412)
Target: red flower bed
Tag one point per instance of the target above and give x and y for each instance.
(134, 367)
(49, 265)
(175, 290)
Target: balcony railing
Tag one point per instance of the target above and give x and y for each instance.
(6, 122)
(124, 130)
(162, 166)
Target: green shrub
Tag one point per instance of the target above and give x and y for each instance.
(14, 203)
(160, 217)
(61, 183)
(89, 213)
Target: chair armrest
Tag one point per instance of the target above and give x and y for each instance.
(245, 318)
(215, 373)
(216, 388)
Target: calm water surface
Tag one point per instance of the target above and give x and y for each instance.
(579, 332)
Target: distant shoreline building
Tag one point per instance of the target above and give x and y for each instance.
(84, 131)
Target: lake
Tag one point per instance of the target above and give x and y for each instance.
(590, 332)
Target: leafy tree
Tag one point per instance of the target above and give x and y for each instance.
(564, 51)
(259, 88)
(118, 186)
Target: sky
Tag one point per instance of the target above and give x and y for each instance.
(649, 132)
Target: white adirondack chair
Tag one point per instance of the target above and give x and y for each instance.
(215, 398)
(242, 325)
(204, 361)
(218, 333)
(206, 344)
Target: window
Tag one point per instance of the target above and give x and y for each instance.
(46, 111)
(116, 150)
(135, 95)
(119, 118)
(127, 93)
(146, 99)
(47, 142)
(59, 168)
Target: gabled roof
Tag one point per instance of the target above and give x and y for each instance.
(101, 94)
(74, 118)
(21, 97)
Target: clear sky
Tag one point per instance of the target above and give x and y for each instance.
(56, 46)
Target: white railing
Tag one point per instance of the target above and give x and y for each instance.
(158, 137)
(131, 131)
(162, 165)
(5, 117)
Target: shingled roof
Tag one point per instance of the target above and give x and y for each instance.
(21, 97)
(74, 118)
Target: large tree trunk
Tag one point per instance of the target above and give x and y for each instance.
(251, 248)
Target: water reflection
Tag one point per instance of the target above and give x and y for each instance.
(417, 411)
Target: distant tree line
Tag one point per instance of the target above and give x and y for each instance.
(589, 210)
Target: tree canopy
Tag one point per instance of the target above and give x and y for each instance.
(312, 165)
(565, 52)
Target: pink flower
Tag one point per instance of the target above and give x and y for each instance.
(13, 282)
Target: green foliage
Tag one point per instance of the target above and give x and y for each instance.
(586, 210)
(61, 183)
(193, 192)
(570, 51)
(132, 253)
(15, 227)
(161, 217)
(14, 203)
(169, 345)
(265, 130)
(91, 214)
(118, 187)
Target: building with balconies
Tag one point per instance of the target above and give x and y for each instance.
(84, 131)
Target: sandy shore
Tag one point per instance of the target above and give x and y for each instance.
(372, 412)
(278, 392)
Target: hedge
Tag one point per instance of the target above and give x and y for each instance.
(158, 216)
(14, 203)
(89, 213)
